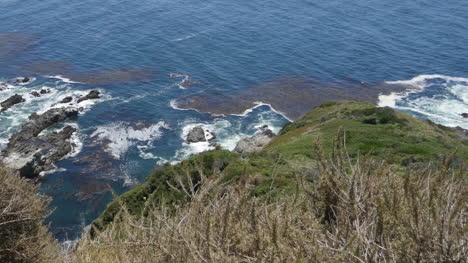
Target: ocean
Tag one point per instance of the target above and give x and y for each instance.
(164, 67)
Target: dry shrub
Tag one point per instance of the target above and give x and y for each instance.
(362, 211)
(23, 237)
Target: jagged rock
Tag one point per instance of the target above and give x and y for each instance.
(45, 91)
(66, 99)
(37, 123)
(464, 115)
(35, 94)
(256, 142)
(31, 154)
(22, 80)
(40, 153)
(199, 134)
(15, 99)
(94, 94)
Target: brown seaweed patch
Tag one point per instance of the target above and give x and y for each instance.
(47, 68)
(96, 77)
(291, 95)
(112, 76)
(90, 190)
(13, 44)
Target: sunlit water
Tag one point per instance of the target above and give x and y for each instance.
(128, 50)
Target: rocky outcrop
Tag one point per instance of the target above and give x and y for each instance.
(256, 142)
(40, 153)
(44, 91)
(94, 94)
(8, 103)
(200, 134)
(24, 80)
(31, 153)
(66, 99)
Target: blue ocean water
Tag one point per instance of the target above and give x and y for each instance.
(128, 50)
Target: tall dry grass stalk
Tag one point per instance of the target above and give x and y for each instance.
(363, 211)
(23, 237)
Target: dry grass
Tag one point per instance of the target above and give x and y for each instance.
(24, 238)
(364, 211)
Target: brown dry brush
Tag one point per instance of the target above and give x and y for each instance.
(362, 211)
(23, 237)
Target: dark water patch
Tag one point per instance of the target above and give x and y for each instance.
(96, 161)
(94, 77)
(291, 95)
(12, 45)
(186, 81)
(47, 68)
(113, 76)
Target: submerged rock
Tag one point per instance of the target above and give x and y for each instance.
(200, 134)
(66, 99)
(256, 142)
(32, 154)
(94, 94)
(15, 99)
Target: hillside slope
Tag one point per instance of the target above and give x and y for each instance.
(386, 134)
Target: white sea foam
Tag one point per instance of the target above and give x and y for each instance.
(228, 132)
(257, 104)
(445, 107)
(184, 38)
(120, 136)
(63, 79)
(173, 104)
(260, 104)
(76, 141)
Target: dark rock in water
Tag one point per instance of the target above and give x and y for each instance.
(3, 87)
(31, 154)
(464, 115)
(256, 142)
(94, 94)
(23, 80)
(66, 99)
(198, 134)
(40, 153)
(35, 94)
(37, 123)
(45, 91)
(15, 99)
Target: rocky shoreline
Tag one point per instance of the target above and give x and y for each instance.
(249, 144)
(34, 149)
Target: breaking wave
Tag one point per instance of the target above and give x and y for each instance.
(442, 99)
(118, 137)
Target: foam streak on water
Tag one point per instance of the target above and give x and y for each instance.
(119, 137)
(442, 99)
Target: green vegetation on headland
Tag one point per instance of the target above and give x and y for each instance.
(384, 133)
(348, 182)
